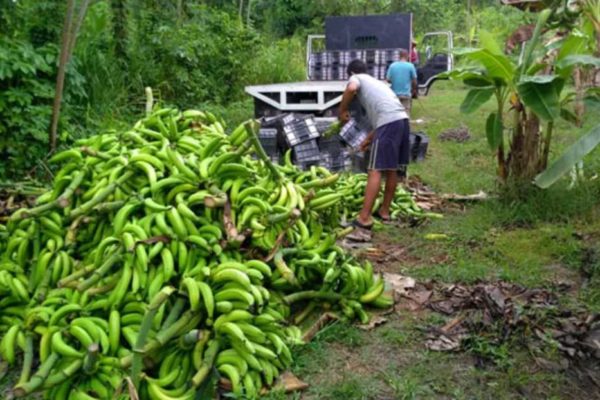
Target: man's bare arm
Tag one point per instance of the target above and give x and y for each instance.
(347, 98)
(364, 146)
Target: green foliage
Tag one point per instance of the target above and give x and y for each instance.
(26, 93)
(200, 59)
(106, 86)
(32, 20)
(282, 61)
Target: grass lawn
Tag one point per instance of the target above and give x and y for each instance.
(548, 238)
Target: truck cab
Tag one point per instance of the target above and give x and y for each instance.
(376, 39)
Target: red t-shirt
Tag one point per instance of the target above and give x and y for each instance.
(414, 56)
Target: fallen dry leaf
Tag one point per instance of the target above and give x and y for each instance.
(398, 283)
(376, 320)
(290, 383)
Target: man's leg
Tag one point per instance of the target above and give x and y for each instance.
(406, 103)
(391, 181)
(371, 193)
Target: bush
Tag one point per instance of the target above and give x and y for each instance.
(201, 59)
(26, 94)
(282, 61)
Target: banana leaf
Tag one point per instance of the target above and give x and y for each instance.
(475, 99)
(541, 93)
(585, 60)
(567, 161)
(494, 131)
(488, 42)
(496, 65)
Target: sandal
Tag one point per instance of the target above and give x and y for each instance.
(357, 224)
(377, 215)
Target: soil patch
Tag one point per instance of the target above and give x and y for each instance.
(459, 135)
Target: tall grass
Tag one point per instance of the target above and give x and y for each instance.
(281, 61)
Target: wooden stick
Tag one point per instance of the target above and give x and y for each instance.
(62, 67)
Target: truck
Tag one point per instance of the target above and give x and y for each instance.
(376, 39)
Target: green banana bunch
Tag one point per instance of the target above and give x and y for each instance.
(168, 253)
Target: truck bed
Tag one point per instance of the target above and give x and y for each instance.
(308, 96)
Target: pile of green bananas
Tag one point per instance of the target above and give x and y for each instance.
(352, 188)
(167, 256)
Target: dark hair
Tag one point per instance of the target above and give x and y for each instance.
(357, 67)
(403, 53)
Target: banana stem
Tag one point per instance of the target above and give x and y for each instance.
(61, 202)
(174, 313)
(38, 378)
(101, 196)
(214, 201)
(65, 198)
(252, 128)
(284, 270)
(76, 275)
(62, 375)
(305, 313)
(312, 295)
(233, 236)
(192, 337)
(293, 216)
(105, 288)
(244, 148)
(42, 288)
(99, 273)
(341, 233)
(163, 336)
(207, 363)
(94, 153)
(91, 358)
(27, 359)
(138, 349)
(109, 206)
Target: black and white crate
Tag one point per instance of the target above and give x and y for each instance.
(299, 129)
(354, 133)
(306, 152)
(268, 140)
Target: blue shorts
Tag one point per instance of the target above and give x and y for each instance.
(390, 150)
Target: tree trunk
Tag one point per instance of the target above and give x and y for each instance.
(579, 80)
(526, 150)
(179, 11)
(119, 10)
(60, 77)
(248, 12)
(77, 26)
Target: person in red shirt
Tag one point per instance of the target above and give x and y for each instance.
(414, 54)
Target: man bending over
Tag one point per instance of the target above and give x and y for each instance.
(389, 141)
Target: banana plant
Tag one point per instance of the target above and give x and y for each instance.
(530, 96)
(584, 39)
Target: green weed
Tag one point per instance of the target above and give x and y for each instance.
(341, 332)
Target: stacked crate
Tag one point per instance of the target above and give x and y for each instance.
(354, 133)
(300, 133)
(268, 141)
(419, 143)
(332, 65)
(303, 134)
